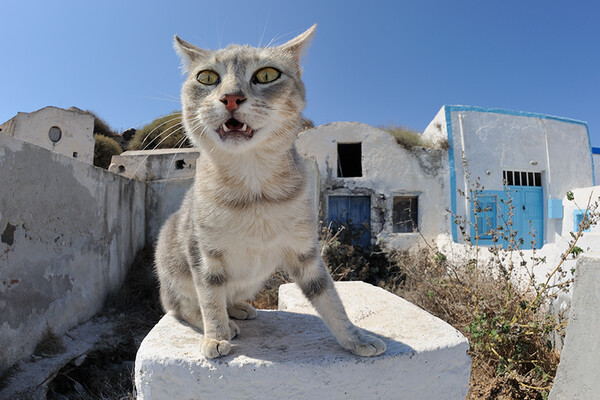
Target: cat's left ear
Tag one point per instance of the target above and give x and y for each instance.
(300, 43)
(188, 52)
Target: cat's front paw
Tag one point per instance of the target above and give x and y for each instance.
(213, 348)
(367, 346)
(241, 311)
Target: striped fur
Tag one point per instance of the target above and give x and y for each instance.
(249, 211)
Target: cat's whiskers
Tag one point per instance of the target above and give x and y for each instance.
(178, 146)
(265, 28)
(179, 127)
(169, 95)
(158, 144)
(158, 98)
(159, 126)
(276, 38)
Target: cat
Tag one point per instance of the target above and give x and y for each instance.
(250, 210)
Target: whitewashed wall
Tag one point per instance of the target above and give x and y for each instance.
(68, 233)
(388, 169)
(496, 140)
(77, 128)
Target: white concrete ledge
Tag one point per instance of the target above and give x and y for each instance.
(578, 376)
(290, 354)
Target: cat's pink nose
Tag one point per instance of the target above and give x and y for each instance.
(232, 101)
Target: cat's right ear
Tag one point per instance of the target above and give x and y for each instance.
(188, 52)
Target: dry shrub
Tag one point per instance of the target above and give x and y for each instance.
(268, 297)
(107, 372)
(347, 261)
(50, 344)
(405, 137)
(165, 132)
(508, 330)
(498, 304)
(104, 149)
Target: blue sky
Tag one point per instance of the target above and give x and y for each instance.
(376, 62)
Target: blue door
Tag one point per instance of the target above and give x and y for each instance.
(353, 212)
(530, 215)
(492, 211)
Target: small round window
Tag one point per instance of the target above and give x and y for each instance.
(54, 134)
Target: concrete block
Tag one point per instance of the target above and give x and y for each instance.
(289, 353)
(578, 375)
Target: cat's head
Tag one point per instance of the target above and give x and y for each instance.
(241, 97)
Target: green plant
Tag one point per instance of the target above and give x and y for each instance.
(104, 148)
(166, 132)
(576, 250)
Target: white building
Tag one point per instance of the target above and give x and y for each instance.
(485, 166)
(68, 132)
(368, 179)
(528, 160)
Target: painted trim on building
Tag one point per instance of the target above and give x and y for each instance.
(457, 108)
(516, 113)
(448, 111)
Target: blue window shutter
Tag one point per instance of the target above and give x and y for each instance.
(555, 209)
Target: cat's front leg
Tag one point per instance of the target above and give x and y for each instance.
(311, 274)
(210, 281)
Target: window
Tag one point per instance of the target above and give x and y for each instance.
(522, 178)
(578, 217)
(349, 160)
(405, 214)
(54, 134)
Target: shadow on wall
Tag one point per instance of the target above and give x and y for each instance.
(68, 232)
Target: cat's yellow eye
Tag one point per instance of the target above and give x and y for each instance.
(207, 77)
(266, 75)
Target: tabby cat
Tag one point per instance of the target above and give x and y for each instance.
(250, 210)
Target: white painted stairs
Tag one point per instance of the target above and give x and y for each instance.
(289, 354)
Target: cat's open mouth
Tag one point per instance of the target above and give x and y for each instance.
(234, 128)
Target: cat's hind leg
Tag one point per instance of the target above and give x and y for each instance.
(311, 274)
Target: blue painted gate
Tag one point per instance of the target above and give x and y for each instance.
(492, 212)
(354, 212)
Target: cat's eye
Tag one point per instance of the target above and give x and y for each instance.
(207, 77)
(266, 75)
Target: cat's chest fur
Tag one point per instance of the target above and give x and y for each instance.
(258, 223)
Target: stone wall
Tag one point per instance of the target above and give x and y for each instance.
(68, 233)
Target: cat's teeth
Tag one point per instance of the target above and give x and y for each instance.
(244, 128)
(225, 128)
